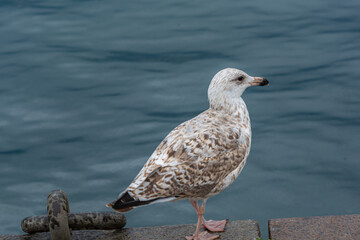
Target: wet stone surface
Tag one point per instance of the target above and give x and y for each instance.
(345, 227)
(244, 230)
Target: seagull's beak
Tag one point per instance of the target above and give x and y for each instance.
(259, 81)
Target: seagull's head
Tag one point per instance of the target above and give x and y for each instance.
(229, 84)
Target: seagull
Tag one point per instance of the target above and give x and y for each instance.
(201, 157)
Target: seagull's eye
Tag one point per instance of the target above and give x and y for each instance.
(240, 78)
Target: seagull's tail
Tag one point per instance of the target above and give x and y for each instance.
(126, 202)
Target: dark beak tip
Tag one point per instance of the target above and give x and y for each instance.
(264, 82)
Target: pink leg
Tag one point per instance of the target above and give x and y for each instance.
(200, 212)
(194, 203)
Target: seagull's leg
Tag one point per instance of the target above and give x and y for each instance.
(194, 203)
(203, 235)
(211, 225)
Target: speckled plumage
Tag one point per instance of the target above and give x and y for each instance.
(198, 159)
(202, 156)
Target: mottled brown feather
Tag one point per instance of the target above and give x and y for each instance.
(195, 159)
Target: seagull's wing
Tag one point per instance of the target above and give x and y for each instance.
(193, 159)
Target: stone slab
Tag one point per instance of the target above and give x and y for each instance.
(239, 230)
(344, 227)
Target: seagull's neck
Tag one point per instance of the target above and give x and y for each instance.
(235, 107)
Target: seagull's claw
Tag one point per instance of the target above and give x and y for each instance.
(215, 226)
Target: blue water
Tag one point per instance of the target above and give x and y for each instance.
(88, 89)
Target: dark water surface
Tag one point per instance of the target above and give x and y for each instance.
(88, 89)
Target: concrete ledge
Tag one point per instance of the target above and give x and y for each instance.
(345, 227)
(244, 230)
